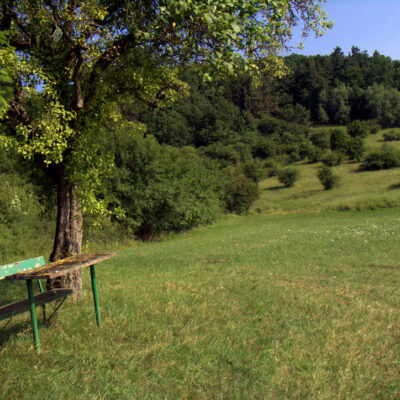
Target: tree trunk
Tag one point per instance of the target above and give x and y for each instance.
(68, 237)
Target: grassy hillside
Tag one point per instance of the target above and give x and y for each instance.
(290, 304)
(299, 306)
(357, 190)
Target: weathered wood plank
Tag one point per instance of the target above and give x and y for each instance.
(62, 267)
(19, 307)
(21, 266)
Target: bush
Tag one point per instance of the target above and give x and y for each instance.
(385, 158)
(288, 176)
(355, 149)
(358, 128)
(161, 188)
(224, 154)
(309, 151)
(264, 148)
(339, 139)
(254, 170)
(321, 139)
(332, 158)
(297, 114)
(239, 191)
(292, 150)
(269, 125)
(272, 167)
(327, 178)
(25, 225)
(391, 136)
(373, 126)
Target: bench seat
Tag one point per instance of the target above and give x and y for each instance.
(12, 309)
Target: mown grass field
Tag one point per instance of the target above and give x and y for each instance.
(296, 306)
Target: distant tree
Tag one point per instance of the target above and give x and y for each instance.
(355, 148)
(385, 158)
(383, 105)
(339, 139)
(339, 104)
(327, 178)
(288, 176)
(358, 128)
(322, 116)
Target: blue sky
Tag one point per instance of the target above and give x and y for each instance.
(368, 24)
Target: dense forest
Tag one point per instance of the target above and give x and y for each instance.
(181, 165)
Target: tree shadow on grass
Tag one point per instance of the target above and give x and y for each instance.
(273, 188)
(394, 186)
(388, 267)
(305, 195)
(6, 333)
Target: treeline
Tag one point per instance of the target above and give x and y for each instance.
(337, 89)
(332, 89)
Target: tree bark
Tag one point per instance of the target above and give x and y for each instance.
(68, 237)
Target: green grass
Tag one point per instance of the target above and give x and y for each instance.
(356, 190)
(297, 306)
(376, 141)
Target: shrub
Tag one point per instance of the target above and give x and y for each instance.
(25, 224)
(161, 188)
(272, 167)
(355, 149)
(224, 154)
(321, 139)
(310, 151)
(268, 125)
(358, 128)
(339, 139)
(264, 148)
(327, 178)
(391, 136)
(385, 158)
(288, 176)
(332, 158)
(292, 150)
(239, 191)
(373, 126)
(254, 170)
(297, 114)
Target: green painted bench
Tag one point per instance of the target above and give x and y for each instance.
(36, 269)
(10, 310)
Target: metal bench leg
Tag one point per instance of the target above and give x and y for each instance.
(33, 315)
(95, 298)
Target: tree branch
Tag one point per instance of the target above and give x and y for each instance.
(76, 78)
(17, 112)
(119, 46)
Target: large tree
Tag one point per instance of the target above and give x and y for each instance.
(68, 59)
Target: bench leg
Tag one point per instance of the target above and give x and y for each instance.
(95, 298)
(33, 315)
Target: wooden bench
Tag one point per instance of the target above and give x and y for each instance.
(36, 269)
(10, 310)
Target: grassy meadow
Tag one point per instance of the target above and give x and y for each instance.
(265, 306)
(297, 300)
(356, 191)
